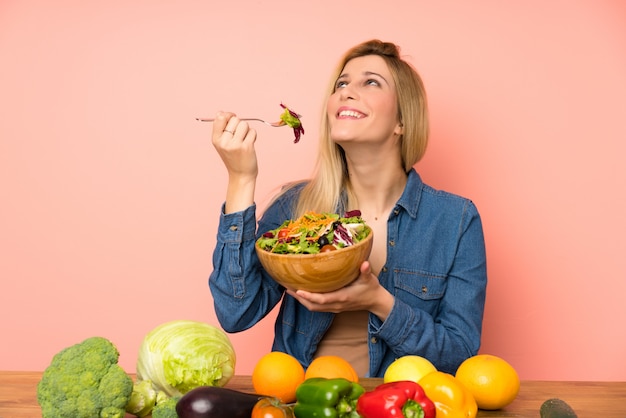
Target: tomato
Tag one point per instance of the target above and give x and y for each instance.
(271, 408)
(328, 247)
(283, 233)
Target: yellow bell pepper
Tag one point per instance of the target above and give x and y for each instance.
(452, 399)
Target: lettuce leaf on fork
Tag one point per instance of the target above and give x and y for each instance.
(292, 119)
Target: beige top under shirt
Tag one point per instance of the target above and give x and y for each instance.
(347, 338)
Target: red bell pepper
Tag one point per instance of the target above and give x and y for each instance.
(396, 399)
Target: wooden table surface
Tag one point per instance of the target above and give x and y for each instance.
(18, 396)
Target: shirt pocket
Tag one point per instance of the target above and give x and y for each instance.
(418, 286)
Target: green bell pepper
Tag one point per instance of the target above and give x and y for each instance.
(327, 398)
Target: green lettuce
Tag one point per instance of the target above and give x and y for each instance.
(181, 355)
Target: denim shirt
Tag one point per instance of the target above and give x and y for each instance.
(435, 268)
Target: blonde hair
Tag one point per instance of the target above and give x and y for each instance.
(330, 182)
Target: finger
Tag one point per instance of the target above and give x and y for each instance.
(320, 300)
(221, 123)
(232, 126)
(304, 297)
(250, 133)
(365, 268)
(297, 297)
(221, 119)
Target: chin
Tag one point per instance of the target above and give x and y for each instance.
(340, 137)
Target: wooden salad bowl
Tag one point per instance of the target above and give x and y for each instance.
(322, 272)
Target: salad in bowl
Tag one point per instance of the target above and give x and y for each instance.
(313, 233)
(318, 252)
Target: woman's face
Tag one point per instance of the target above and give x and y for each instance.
(364, 106)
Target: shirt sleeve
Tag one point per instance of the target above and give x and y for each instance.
(243, 293)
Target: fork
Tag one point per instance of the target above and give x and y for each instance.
(274, 124)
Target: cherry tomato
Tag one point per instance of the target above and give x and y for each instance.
(271, 408)
(328, 247)
(283, 233)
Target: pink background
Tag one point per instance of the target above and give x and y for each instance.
(110, 190)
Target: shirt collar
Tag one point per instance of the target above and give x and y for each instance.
(410, 198)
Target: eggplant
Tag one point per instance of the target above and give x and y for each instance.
(214, 402)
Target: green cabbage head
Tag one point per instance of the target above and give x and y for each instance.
(180, 355)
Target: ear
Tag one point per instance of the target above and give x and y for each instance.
(399, 129)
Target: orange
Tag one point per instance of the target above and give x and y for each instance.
(278, 374)
(491, 379)
(408, 368)
(331, 367)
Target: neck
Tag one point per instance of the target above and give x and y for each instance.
(376, 191)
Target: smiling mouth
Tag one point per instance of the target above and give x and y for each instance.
(350, 114)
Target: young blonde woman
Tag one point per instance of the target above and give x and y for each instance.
(422, 291)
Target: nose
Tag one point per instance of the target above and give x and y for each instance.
(347, 92)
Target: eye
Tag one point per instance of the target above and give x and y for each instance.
(339, 84)
(372, 82)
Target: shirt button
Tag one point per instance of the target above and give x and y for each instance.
(424, 289)
(233, 227)
(373, 340)
(384, 269)
(392, 243)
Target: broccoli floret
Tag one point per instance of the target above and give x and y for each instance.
(165, 406)
(85, 381)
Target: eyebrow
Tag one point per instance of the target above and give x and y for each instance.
(365, 73)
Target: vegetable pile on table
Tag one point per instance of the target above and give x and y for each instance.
(313, 233)
(86, 381)
(183, 366)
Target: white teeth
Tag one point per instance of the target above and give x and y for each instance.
(350, 113)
